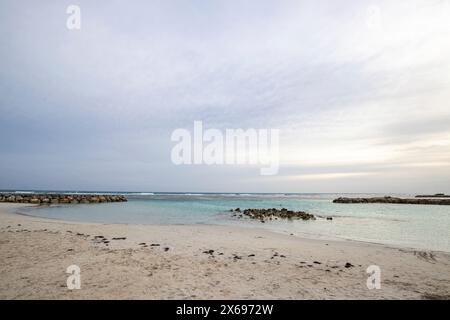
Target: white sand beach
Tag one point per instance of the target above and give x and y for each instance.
(175, 262)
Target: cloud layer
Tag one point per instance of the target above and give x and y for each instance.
(360, 93)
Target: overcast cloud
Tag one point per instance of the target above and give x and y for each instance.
(361, 93)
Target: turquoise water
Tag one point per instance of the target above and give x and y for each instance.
(414, 226)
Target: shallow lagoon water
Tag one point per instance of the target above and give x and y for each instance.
(414, 226)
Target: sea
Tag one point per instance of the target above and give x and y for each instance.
(423, 227)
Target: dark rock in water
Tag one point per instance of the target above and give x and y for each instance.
(166, 249)
(237, 209)
(47, 198)
(274, 214)
(329, 218)
(387, 199)
(251, 255)
(348, 265)
(155, 245)
(209, 252)
(120, 238)
(317, 262)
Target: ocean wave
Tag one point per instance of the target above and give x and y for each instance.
(141, 194)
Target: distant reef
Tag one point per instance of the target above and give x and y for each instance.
(417, 200)
(60, 198)
(436, 195)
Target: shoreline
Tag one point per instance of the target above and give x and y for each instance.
(301, 235)
(176, 262)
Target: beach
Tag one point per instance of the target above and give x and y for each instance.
(132, 261)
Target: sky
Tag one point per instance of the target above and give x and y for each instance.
(360, 93)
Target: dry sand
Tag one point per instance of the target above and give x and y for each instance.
(246, 263)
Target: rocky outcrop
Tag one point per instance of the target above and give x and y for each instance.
(59, 198)
(274, 214)
(393, 200)
(436, 195)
